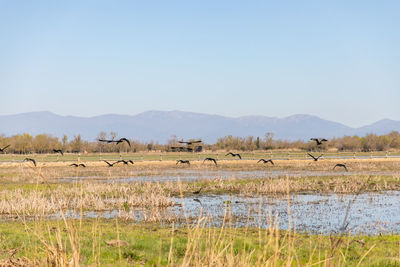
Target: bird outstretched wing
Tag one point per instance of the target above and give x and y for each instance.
(124, 140)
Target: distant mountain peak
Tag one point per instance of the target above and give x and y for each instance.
(386, 121)
(299, 117)
(40, 112)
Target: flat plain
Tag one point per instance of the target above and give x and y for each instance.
(238, 212)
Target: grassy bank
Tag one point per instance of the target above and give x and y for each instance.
(94, 242)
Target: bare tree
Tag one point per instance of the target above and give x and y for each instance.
(172, 140)
(113, 135)
(269, 140)
(77, 144)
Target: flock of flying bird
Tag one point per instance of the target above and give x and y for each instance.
(76, 165)
(318, 141)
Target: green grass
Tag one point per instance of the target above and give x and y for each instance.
(150, 244)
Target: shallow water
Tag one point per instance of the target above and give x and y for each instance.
(193, 175)
(369, 213)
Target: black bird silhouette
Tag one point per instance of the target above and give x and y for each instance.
(266, 161)
(234, 155)
(126, 162)
(197, 191)
(319, 141)
(58, 151)
(123, 140)
(31, 160)
(110, 164)
(183, 162)
(106, 141)
(77, 165)
(116, 141)
(315, 158)
(341, 165)
(4, 148)
(197, 200)
(190, 142)
(211, 159)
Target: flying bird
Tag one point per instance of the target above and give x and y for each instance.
(197, 191)
(315, 158)
(4, 148)
(123, 140)
(77, 165)
(197, 200)
(341, 165)
(211, 159)
(31, 160)
(58, 151)
(106, 141)
(234, 155)
(116, 141)
(110, 164)
(266, 161)
(319, 141)
(183, 162)
(126, 162)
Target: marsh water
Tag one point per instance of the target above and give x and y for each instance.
(367, 213)
(190, 175)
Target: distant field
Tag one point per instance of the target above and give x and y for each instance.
(152, 156)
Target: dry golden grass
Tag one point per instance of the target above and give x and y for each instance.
(52, 171)
(87, 196)
(152, 200)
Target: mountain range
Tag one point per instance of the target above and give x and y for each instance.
(161, 125)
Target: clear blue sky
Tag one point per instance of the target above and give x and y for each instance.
(339, 60)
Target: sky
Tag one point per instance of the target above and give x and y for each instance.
(339, 60)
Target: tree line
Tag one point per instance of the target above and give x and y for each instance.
(45, 143)
(370, 142)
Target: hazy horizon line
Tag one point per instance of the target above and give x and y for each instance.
(203, 113)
